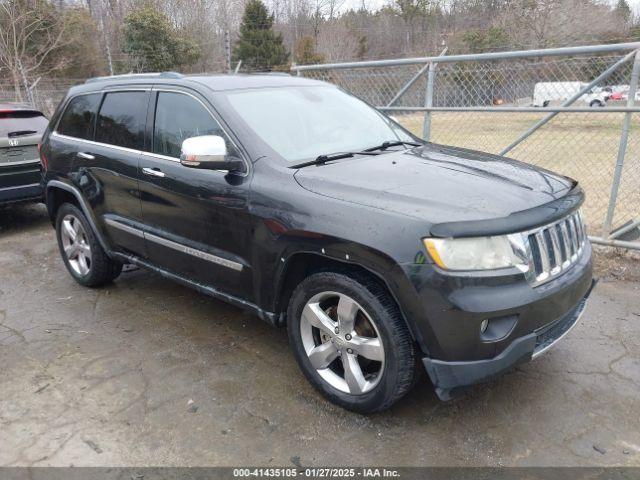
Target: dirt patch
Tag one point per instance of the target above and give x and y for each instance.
(616, 264)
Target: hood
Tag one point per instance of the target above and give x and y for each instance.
(437, 183)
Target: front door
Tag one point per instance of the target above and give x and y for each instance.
(197, 223)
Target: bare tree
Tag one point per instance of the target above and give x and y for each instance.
(30, 32)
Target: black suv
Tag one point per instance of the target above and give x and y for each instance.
(296, 201)
(21, 128)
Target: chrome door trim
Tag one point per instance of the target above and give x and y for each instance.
(97, 144)
(175, 245)
(86, 156)
(124, 227)
(194, 252)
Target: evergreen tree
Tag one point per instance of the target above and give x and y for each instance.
(259, 46)
(623, 11)
(150, 38)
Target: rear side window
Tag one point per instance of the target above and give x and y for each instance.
(79, 117)
(121, 119)
(179, 117)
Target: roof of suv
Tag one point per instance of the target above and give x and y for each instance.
(214, 82)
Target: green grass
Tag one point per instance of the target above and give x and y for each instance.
(583, 146)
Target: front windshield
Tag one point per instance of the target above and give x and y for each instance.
(302, 123)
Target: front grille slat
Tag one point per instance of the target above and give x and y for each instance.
(543, 250)
(556, 247)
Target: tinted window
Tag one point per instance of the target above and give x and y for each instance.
(121, 119)
(179, 117)
(79, 117)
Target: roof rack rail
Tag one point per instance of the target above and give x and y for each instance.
(275, 74)
(133, 76)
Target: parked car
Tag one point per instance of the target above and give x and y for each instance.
(300, 203)
(21, 128)
(546, 92)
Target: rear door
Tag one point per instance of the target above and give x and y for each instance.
(104, 164)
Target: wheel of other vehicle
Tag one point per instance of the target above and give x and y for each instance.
(596, 103)
(351, 341)
(83, 255)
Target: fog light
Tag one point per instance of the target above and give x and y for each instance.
(484, 325)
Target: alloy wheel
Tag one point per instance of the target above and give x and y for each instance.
(75, 245)
(342, 342)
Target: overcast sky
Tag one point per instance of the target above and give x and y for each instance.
(376, 4)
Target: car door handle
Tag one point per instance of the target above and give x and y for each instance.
(86, 156)
(154, 172)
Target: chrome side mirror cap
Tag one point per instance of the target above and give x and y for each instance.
(209, 152)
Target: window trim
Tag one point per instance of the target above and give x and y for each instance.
(151, 90)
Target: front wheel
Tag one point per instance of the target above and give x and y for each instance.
(596, 104)
(350, 341)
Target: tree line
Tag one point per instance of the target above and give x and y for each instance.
(79, 39)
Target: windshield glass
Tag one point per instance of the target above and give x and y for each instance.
(21, 121)
(302, 123)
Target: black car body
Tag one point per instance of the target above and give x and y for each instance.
(21, 128)
(250, 236)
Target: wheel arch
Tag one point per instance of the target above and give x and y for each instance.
(300, 265)
(58, 193)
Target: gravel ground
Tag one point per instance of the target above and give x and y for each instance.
(146, 372)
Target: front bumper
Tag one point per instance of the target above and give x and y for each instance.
(447, 377)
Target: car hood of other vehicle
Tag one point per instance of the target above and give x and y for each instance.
(437, 183)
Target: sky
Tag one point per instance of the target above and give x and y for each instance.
(376, 4)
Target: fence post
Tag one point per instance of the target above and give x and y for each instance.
(428, 102)
(622, 148)
(428, 97)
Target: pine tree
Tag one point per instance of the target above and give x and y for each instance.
(259, 46)
(623, 11)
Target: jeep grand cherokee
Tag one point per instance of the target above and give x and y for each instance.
(298, 202)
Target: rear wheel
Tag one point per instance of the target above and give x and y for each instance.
(350, 341)
(596, 103)
(84, 257)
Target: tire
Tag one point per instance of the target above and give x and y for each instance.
(385, 374)
(83, 255)
(596, 103)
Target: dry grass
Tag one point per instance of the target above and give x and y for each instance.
(583, 146)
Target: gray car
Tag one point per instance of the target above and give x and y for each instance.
(21, 128)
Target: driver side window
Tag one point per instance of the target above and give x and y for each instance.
(178, 117)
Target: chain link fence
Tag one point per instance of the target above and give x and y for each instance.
(45, 95)
(570, 110)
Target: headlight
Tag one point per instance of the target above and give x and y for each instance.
(478, 253)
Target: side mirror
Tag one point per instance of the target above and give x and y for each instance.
(210, 152)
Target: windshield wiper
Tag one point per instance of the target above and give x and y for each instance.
(322, 159)
(393, 143)
(19, 133)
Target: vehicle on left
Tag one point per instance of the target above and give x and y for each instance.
(21, 128)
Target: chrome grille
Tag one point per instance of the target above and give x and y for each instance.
(555, 247)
